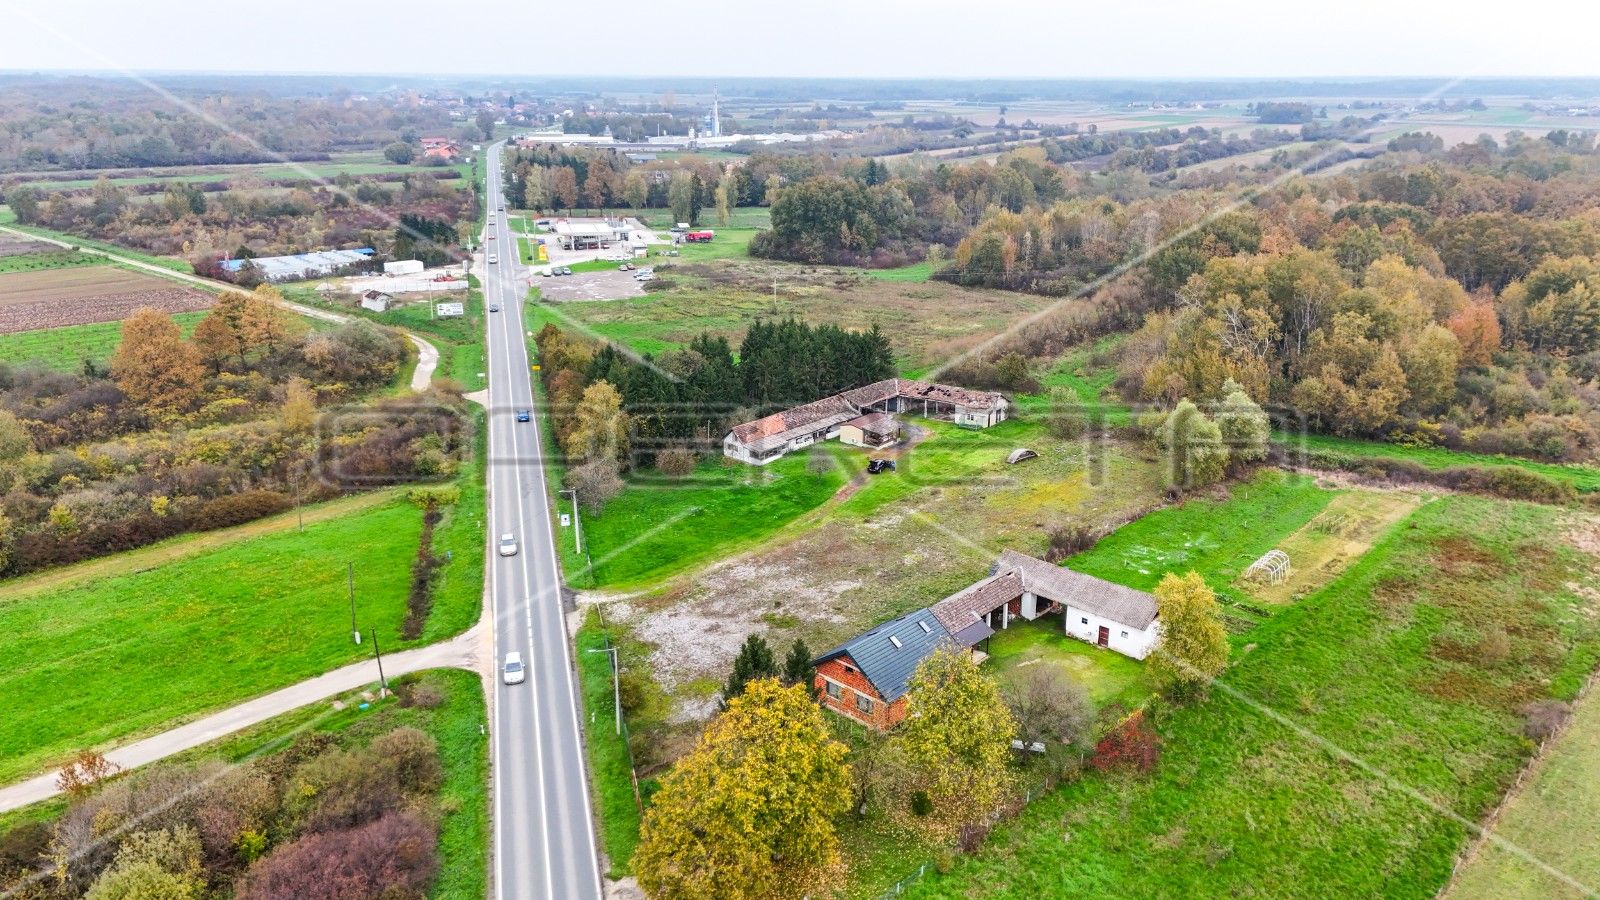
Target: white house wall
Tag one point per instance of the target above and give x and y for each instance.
(1136, 644)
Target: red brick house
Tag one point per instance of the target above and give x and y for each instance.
(866, 677)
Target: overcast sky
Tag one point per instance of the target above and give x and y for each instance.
(861, 38)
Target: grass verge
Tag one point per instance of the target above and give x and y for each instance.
(610, 766)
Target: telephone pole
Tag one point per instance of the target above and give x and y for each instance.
(383, 683)
(350, 585)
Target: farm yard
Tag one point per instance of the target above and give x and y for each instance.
(1372, 716)
(83, 295)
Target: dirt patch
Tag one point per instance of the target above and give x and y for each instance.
(585, 286)
(1458, 555)
(52, 298)
(11, 245)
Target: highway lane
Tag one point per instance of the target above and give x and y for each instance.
(544, 844)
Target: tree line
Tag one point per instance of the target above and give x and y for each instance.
(205, 432)
(612, 411)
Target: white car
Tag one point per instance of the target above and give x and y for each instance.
(513, 672)
(494, 258)
(508, 545)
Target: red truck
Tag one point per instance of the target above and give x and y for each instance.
(699, 237)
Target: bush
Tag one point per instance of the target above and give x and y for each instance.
(413, 755)
(675, 462)
(1543, 718)
(393, 858)
(1069, 540)
(1133, 744)
(596, 483)
(236, 509)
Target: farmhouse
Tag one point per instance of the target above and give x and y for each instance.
(442, 148)
(865, 678)
(377, 301)
(862, 417)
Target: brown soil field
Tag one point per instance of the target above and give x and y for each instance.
(54, 297)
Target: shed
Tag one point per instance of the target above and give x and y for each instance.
(377, 301)
(1020, 454)
(403, 267)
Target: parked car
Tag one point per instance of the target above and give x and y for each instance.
(644, 276)
(879, 466)
(524, 415)
(544, 273)
(566, 270)
(494, 307)
(508, 544)
(512, 672)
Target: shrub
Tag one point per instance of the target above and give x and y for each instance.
(1133, 744)
(1543, 718)
(675, 462)
(596, 483)
(413, 755)
(419, 601)
(393, 857)
(1070, 539)
(236, 509)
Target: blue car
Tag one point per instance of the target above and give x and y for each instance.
(523, 415)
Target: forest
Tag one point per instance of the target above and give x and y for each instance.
(245, 221)
(69, 124)
(250, 415)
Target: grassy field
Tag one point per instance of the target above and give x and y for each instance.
(723, 297)
(1217, 538)
(66, 348)
(162, 637)
(756, 217)
(1086, 374)
(1335, 754)
(62, 259)
(165, 262)
(1554, 817)
(658, 527)
(610, 767)
(1584, 478)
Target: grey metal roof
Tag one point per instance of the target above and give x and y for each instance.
(887, 666)
(973, 633)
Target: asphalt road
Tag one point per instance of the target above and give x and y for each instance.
(544, 843)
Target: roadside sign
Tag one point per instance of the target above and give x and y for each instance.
(534, 367)
(566, 521)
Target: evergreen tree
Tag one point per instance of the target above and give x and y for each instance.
(797, 667)
(755, 660)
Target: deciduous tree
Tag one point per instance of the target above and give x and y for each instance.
(956, 744)
(1193, 647)
(749, 813)
(154, 367)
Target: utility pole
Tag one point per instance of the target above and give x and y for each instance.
(577, 524)
(350, 582)
(383, 683)
(300, 510)
(616, 682)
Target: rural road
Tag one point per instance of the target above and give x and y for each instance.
(461, 652)
(544, 843)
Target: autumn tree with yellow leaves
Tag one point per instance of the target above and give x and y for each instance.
(750, 811)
